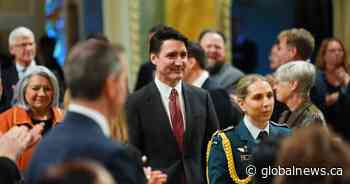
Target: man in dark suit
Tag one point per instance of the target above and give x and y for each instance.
(170, 121)
(227, 111)
(22, 48)
(96, 79)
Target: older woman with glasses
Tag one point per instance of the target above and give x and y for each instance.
(35, 102)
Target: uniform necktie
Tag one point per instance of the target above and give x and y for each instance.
(176, 117)
(262, 135)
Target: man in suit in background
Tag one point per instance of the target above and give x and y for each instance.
(23, 49)
(170, 121)
(97, 83)
(228, 112)
(213, 43)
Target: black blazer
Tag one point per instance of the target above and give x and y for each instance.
(150, 131)
(145, 75)
(227, 111)
(79, 137)
(9, 78)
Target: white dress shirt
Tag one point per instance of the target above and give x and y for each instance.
(254, 131)
(21, 69)
(165, 91)
(98, 118)
(201, 79)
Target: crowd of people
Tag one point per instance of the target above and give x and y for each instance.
(192, 118)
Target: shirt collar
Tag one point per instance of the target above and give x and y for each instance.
(21, 69)
(253, 129)
(201, 79)
(308, 60)
(165, 90)
(94, 115)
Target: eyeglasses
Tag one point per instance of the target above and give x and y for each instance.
(23, 45)
(335, 50)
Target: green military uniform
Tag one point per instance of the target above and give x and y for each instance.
(220, 165)
(303, 116)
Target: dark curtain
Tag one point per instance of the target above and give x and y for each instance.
(317, 17)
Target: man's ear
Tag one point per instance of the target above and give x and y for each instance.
(153, 58)
(111, 85)
(12, 49)
(191, 62)
(293, 52)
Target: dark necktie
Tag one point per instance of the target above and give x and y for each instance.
(176, 117)
(262, 135)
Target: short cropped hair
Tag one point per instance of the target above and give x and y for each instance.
(301, 39)
(88, 66)
(301, 71)
(166, 33)
(241, 88)
(204, 32)
(21, 87)
(195, 51)
(19, 31)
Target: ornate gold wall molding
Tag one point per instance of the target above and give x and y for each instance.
(341, 24)
(134, 26)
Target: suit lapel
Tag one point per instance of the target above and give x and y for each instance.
(187, 94)
(155, 108)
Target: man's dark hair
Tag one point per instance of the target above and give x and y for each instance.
(166, 33)
(204, 32)
(195, 51)
(156, 28)
(88, 66)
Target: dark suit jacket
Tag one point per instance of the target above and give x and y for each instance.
(342, 126)
(150, 131)
(210, 84)
(9, 171)
(79, 137)
(228, 113)
(9, 78)
(145, 75)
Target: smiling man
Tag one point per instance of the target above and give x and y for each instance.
(170, 121)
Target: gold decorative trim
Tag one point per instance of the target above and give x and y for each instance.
(230, 160)
(134, 26)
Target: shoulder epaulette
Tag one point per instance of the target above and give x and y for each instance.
(279, 124)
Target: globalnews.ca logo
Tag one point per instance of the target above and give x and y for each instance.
(294, 171)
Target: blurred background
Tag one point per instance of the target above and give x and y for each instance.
(251, 26)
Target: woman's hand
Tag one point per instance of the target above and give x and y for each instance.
(342, 76)
(14, 142)
(331, 98)
(155, 176)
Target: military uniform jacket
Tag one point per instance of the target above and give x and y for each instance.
(303, 116)
(242, 146)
